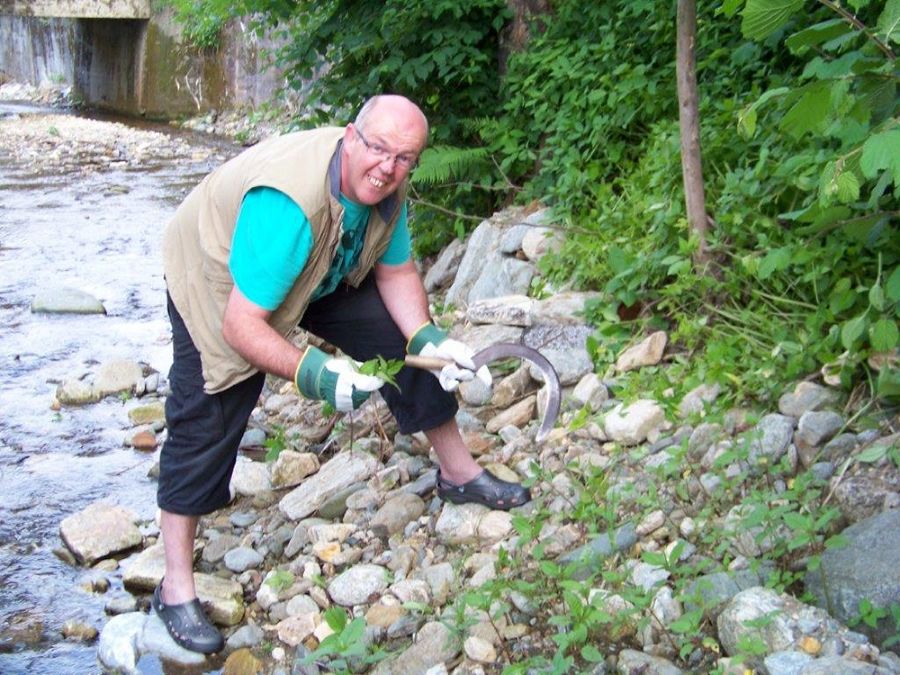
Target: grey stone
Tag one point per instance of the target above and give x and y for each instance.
(815, 428)
(253, 438)
(481, 251)
(632, 661)
(591, 555)
(435, 644)
(339, 473)
(121, 602)
(590, 391)
(787, 662)
(247, 636)
(864, 569)
(358, 584)
(770, 439)
(837, 449)
(511, 241)
(805, 397)
(215, 549)
(117, 648)
(510, 277)
(711, 592)
(508, 310)
(398, 511)
(539, 241)
(570, 364)
(242, 558)
(696, 399)
(445, 266)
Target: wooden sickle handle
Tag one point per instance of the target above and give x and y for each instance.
(426, 362)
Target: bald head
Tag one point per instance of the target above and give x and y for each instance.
(397, 108)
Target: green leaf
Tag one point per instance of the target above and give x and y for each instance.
(888, 383)
(847, 188)
(884, 335)
(873, 454)
(876, 297)
(852, 330)
(797, 521)
(336, 618)
(776, 259)
(892, 287)
(764, 17)
(354, 631)
(747, 122)
(881, 151)
(591, 654)
(730, 7)
(810, 111)
(889, 22)
(815, 35)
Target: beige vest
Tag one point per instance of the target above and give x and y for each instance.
(306, 166)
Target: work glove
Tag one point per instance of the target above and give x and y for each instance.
(431, 341)
(337, 381)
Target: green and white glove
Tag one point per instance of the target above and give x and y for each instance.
(431, 341)
(337, 381)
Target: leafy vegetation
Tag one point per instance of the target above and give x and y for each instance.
(801, 161)
(800, 143)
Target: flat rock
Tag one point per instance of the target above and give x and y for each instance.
(648, 352)
(118, 376)
(641, 421)
(66, 301)
(339, 473)
(100, 530)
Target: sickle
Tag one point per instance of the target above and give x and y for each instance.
(505, 350)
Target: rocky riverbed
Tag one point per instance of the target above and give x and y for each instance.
(654, 543)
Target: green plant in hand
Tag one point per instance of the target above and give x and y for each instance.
(385, 369)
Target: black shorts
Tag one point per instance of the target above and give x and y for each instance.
(205, 430)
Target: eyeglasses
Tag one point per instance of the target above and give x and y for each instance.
(403, 160)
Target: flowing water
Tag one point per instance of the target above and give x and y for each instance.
(99, 233)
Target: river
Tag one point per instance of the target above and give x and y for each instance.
(98, 232)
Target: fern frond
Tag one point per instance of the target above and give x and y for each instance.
(441, 163)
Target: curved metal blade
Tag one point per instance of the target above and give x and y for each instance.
(506, 350)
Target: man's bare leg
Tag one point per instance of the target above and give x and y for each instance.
(178, 534)
(457, 464)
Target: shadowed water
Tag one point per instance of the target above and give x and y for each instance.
(101, 234)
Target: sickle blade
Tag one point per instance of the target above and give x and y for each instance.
(505, 350)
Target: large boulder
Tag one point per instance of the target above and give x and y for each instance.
(864, 569)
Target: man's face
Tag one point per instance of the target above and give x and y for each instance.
(379, 157)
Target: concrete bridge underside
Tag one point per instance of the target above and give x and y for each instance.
(78, 9)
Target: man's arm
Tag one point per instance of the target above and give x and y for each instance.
(402, 292)
(246, 329)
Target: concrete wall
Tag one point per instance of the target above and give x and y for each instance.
(138, 67)
(78, 9)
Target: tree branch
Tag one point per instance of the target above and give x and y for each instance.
(859, 25)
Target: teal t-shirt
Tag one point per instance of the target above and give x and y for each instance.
(273, 238)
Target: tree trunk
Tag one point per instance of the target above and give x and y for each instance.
(516, 35)
(689, 119)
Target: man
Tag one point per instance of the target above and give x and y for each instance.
(306, 229)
